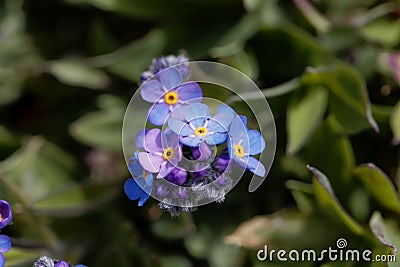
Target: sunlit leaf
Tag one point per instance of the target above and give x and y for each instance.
(377, 226)
(72, 200)
(329, 203)
(284, 229)
(76, 72)
(395, 123)
(34, 170)
(349, 97)
(22, 256)
(383, 31)
(379, 185)
(304, 116)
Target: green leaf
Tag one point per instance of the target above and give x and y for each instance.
(34, 170)
(301, 193)
(101, 128)
(332, 153)
(349, 97)
(379, 185)
(22, 257)
(175, 260)
(395, 123)
(284, 229)
(76, 72)
(73, 200)
(173, 228)
(130, 61)
(377, 226)
(329, 203)
(383, 31)
(304, 117)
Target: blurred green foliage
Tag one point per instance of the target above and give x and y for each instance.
(331, 72)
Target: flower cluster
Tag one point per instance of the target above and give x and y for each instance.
(45, 261)
(180, 153)
(5, 219)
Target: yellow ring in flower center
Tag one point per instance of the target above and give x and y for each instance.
(168, 153)
(201, 131)
(171, 98)
(239, 151)
(144, 175)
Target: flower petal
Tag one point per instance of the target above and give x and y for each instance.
(5, 243)
(256, 167)
(237, 129)
(227, 110)
(216, 139)
(179, 127)
(166, 168)
(169, 139)
(205, 152)
(189, 91)
(2, 260)
(256, 142)
(191, 141)
(158, 113)
(152, 91)
(139, 138)
(134, 191)
(134, 167)
(197, 110)
(152, 141)
(150, 162)
(143, 199)
(170, 78)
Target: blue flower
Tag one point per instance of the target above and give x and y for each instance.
(139, 138)
(5, 213)
(161, 63)
(5, 245)
(45, 261)
(167, 91)
(141, 185)
(245, 143)
(200, 126)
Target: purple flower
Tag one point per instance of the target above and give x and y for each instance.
(161, 63)
(200, 126)
(62, 264)
(243, 144)
(5, 245)
(163, 152)
(177, 176)
(5, 214)
(140, 186)
(167, 91)
(139, 138)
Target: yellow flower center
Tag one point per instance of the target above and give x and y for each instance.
(200, 131)
(239, 151)
(144, 174)
(168, 153)
(171, 98)
(1, 218)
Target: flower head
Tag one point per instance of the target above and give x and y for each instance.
(161, 63)
(167, 91)
(5, 245)
(45, 261)
(245, 143)
(5, 214)
(140, 186)
(177, 176)
(200, 126)
(163, 152)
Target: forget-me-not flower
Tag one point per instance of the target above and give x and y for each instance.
(163, 152)
(161, 63)
(245, 143)
(167, 90)
(200, 126)
(140, 186)
(5, 213)
(5, 245)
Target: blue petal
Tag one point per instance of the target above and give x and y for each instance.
(227, 110)
(256, 142)
(2, 260)
(197, 110)
(189, 91)
(237, 129)
(158, 113)
(152, 140)
(170, 78)
(139, 139)
(256, 167)
(198, 122)
(216, 139)
(5, 243)
(80, 265)
(244, 120)
(134, 167)
(132, 189)
(219, 124)
(152, 91)
(191, 141)
(179, 127)
(143, 200)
